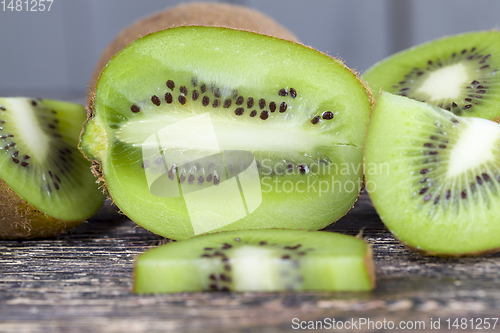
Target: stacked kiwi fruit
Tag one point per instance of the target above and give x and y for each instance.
(182, 121)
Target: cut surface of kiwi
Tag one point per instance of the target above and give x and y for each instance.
(457, 73)
(45, 183)
(257, 260)
(199, 129)
(433, 177)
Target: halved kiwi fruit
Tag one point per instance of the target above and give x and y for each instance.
(46, 186)
(195, 13)
(257, 260)
(433, 177)
(199, 129)
(457, 73)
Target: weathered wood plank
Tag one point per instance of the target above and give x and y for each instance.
(81, 282)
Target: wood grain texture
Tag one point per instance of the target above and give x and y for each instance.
(81, 282)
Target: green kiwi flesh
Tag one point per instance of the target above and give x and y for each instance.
(457, 73)
(46, 185)
(433, 177)
(257, 260)
(301, 115)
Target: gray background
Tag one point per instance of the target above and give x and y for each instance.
(52, 54)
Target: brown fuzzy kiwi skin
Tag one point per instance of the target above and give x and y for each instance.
(21, 220)
(195, 13)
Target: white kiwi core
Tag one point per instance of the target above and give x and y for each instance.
(474, 147)
(34, 137)
(445, 83)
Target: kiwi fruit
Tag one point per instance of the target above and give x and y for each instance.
(434, 177)
(257, 260)
(202, 129)
(457, 73)
(46, 186)
(196, 13)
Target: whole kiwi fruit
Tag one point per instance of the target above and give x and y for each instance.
(196, 13)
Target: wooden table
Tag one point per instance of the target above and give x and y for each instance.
(81, 282)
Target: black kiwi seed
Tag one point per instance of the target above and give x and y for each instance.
(56, 186)
(327, 115)
(293, 93)
(239, 111)
(171, 84)
(182, 99)
(283, 107)
(156, 100)
(195, 95)
(215, 104)
(209, 178)
(15, 160)
(262, 103)
(205, 101)
(315, 120)
(134, 108)
(2, 108)
(182, 178)
(253, 113)
(226, 246)
(272, 106)
(264, 115)
(203, 88)
(201, 180)
(283, 92)
(217, 92)
(183, 90)
(191, 179)
(250, 102)
(227, 103)
(24, 164)
(34, 103)
(15, 154)
(239, 100)
(216, 180)
(168, 98)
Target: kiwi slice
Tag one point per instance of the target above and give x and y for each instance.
(433, 177)
(457, 73)
(199, 129)
(196, 13)
(257, 260)
(46, 186)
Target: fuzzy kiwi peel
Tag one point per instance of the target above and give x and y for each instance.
(299, 113)
(196, 13)
(458, 73)
(46, 187)
(257, 260)
(434, 177)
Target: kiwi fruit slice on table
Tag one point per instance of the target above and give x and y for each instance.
(257, 260)
(199, 129)
(434, 177)
(457, 73)
(196, 13)
(46, 186)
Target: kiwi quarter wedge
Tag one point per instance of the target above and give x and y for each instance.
(433, 177)
(199, 129)
(257, 260)
(46, 186)
(457, 73)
